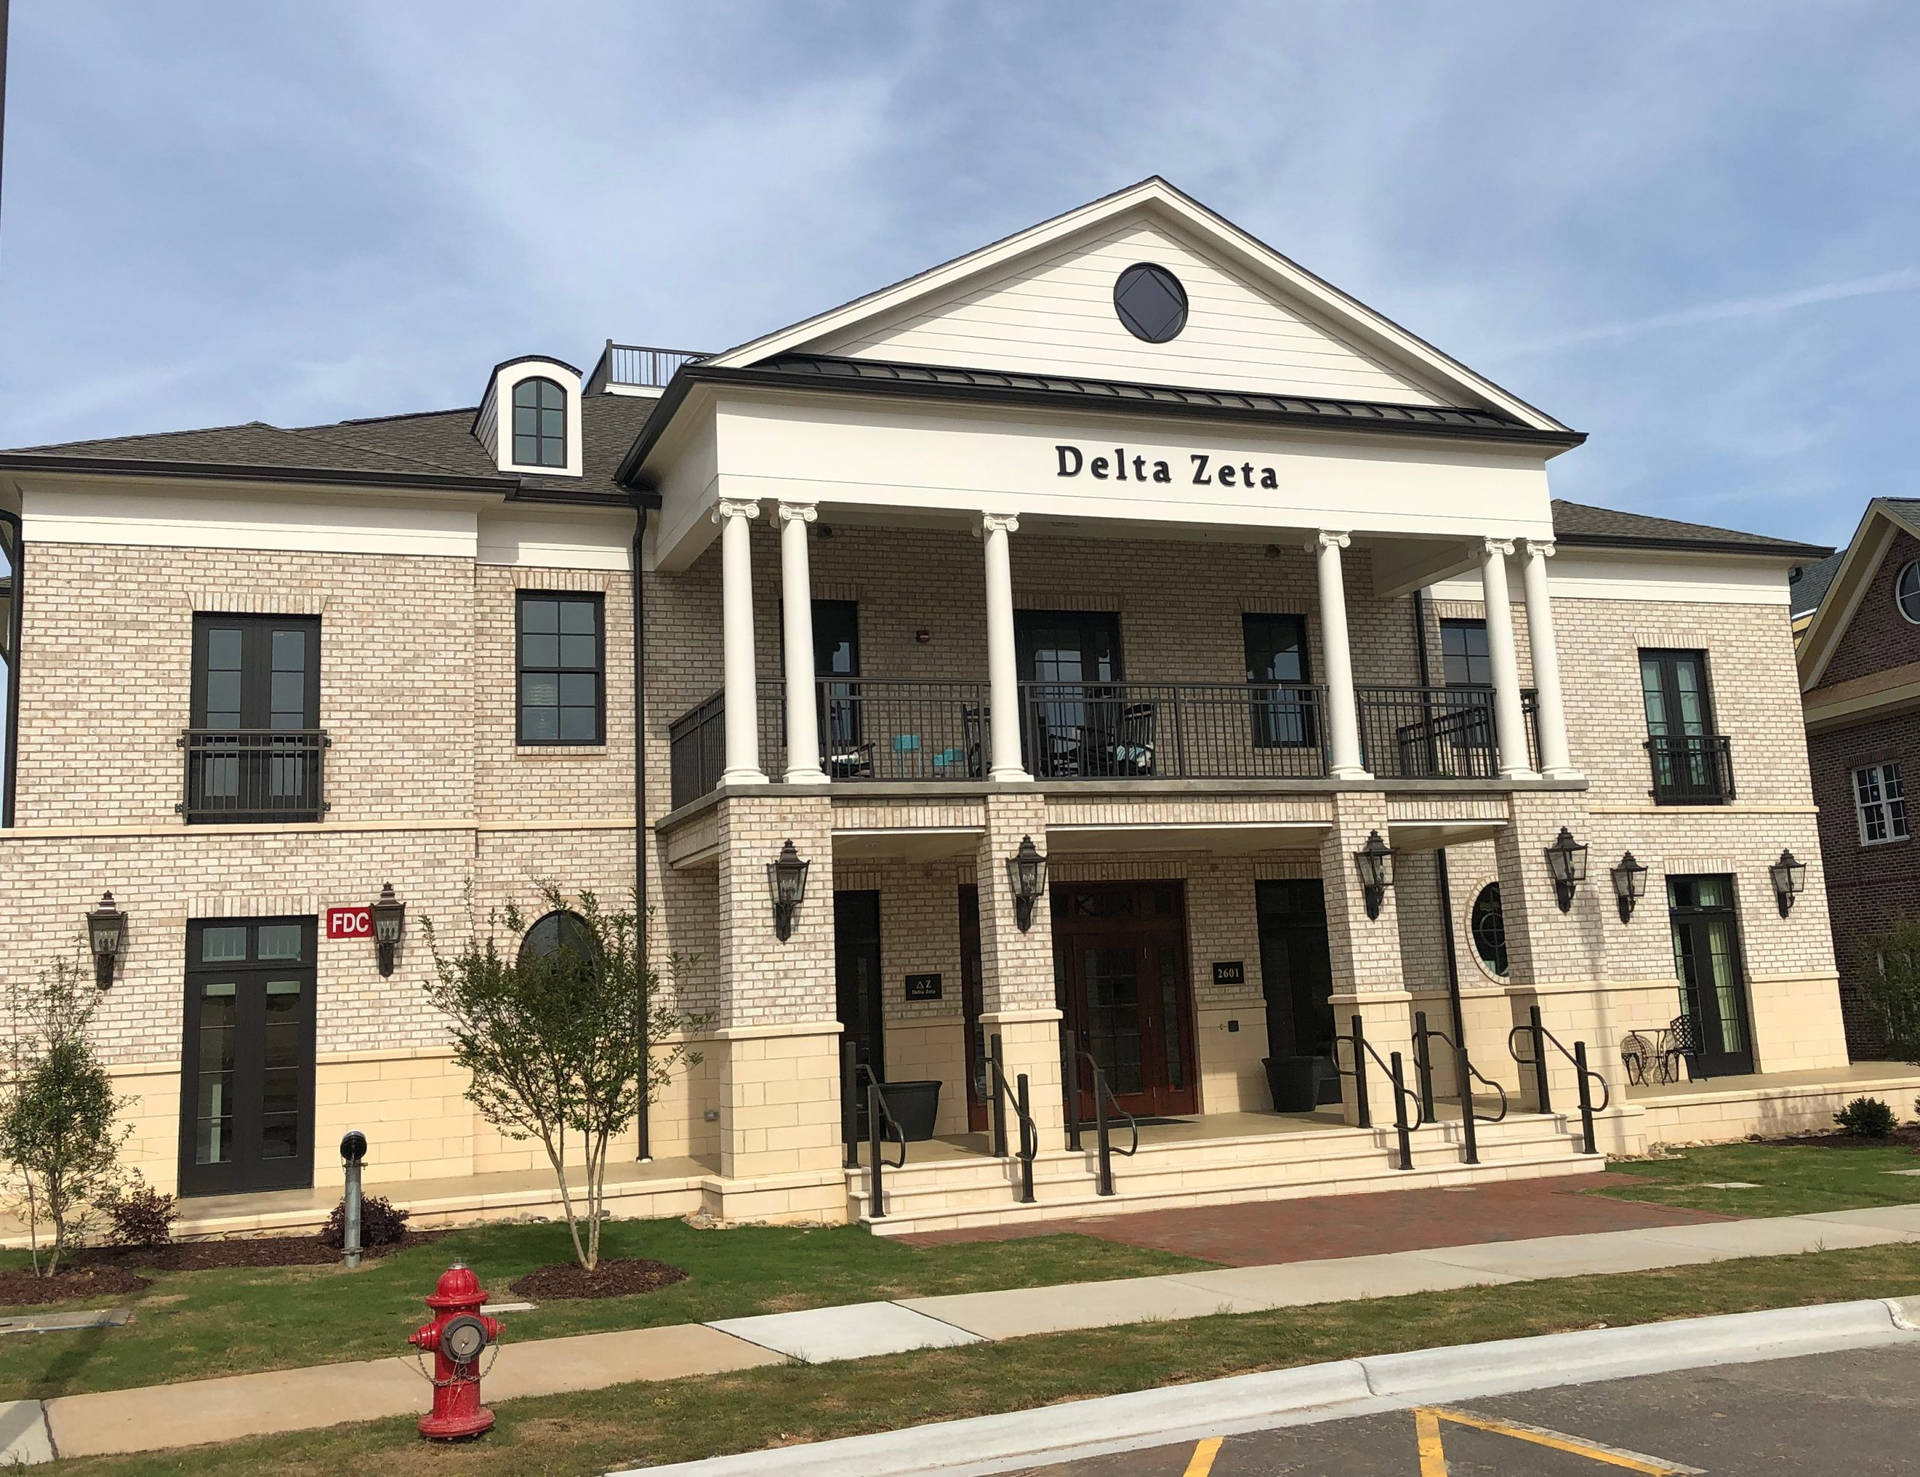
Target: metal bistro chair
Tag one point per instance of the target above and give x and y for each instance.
(1680, 1042)
(1637, 1053)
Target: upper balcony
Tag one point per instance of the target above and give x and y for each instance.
(1691, 768)
(254, 776)
(915, 732)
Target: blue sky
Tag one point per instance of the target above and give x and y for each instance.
(1689, 230)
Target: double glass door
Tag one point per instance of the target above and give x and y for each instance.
(1713, 987)
(1122, 983)
(1673, 688)
(1069, 724)
(246, 1116)
(856, 977)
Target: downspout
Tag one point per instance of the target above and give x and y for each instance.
(640, 806)
(13, 537)
(1440, 856)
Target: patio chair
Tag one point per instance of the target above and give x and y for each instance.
(1062, 747)
(973, 733)
(1680, 1042)
(1133, 744)
(1637, 1053)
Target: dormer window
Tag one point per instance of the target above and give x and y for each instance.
(539, 424)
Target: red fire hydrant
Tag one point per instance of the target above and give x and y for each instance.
(458, 1335)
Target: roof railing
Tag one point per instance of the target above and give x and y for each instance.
(637, 366)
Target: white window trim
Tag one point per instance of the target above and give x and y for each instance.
(1894, 820)
(505, 379)
(1898, 604)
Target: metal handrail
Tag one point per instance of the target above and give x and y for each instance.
(1463, 1071)
(1103, 1094)
(877, 1118)
(1583, 1073)
(1396, 1073)
(1018, 1096)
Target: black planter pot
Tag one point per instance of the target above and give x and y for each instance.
(1291, 1080)
(915, 1106)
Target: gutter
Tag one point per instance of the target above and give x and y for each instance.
(1783, 550)
(241, 472)
(17, 596)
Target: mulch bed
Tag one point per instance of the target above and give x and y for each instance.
(22, 1289)
(246, 1251)
(612, 1279)
(1906, 1136)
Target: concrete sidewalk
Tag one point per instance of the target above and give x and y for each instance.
(198, 1411)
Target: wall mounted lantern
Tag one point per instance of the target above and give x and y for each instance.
(1374, 861)
(1027, 876)
(1789, 880)
(389, 920)
(1567, 865)
(787, 877)
(1629, 884)
(107, 934)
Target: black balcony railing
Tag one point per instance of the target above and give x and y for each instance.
(906, 730)
(638, 365)
(697, 749)
(1691, 769)
(1173, 730)
(244, 776)
(1423, 733)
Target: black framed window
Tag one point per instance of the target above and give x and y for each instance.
(254, 748)
(1488, 926)
(1464, 661)
(1276, 652)
(562, 668)
(539, 424)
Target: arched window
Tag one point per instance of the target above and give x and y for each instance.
(1489, 929)
(557, 931)
(539, 424)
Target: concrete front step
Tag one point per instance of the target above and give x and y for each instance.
(949, 1194)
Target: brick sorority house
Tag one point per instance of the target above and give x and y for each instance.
(1111, 674)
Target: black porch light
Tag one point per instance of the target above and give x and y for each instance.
(1629, 884)
(787, 878)
(1027, 876)
(106, 935)
(1789, 877)
(389, 921)
(1567, 865)
(1374, 862)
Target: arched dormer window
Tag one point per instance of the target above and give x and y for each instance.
(539, 424)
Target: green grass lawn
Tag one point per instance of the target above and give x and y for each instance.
(680, 1420)
(1792, 1179)
(190, 1325)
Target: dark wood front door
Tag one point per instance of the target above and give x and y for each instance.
(856, 978)
(970, 1007)
(1713, 984)
(1123, 986)
(1296, 973)
(246, 1093)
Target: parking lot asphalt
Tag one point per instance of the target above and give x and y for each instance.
(1855, 1413)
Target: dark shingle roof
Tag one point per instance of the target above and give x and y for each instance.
(1582, 523)
(432, 445)
(1810, 582)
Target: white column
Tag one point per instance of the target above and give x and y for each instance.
(796, 610)
(1555, 762)
(736, 642)
(1003, 667)
(1509, 722)
(1343, 724)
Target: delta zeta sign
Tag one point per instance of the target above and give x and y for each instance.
(1206, 468)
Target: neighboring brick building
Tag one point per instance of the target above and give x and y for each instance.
(1123, 536)
(1860, 671)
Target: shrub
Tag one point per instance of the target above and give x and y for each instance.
(142, 1216)
(381, 1224)
(1866, 1117)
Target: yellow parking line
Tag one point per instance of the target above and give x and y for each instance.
(1201, 1462)
(1426, 1424)
(1433, 1457)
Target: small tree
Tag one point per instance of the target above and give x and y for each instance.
(1893, 988)
(564, 1039)
(58, 1111)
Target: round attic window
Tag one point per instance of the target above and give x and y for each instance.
(1906, 592)
(1151, 302)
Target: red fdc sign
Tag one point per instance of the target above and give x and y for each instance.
(350, 923)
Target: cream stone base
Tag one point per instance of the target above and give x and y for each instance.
(1734, 1108)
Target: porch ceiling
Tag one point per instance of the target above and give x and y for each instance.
(908, 843)
(1432, 835)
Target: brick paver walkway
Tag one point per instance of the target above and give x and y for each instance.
(1313, 1227)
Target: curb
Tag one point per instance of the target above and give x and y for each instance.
(1321, 1392)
